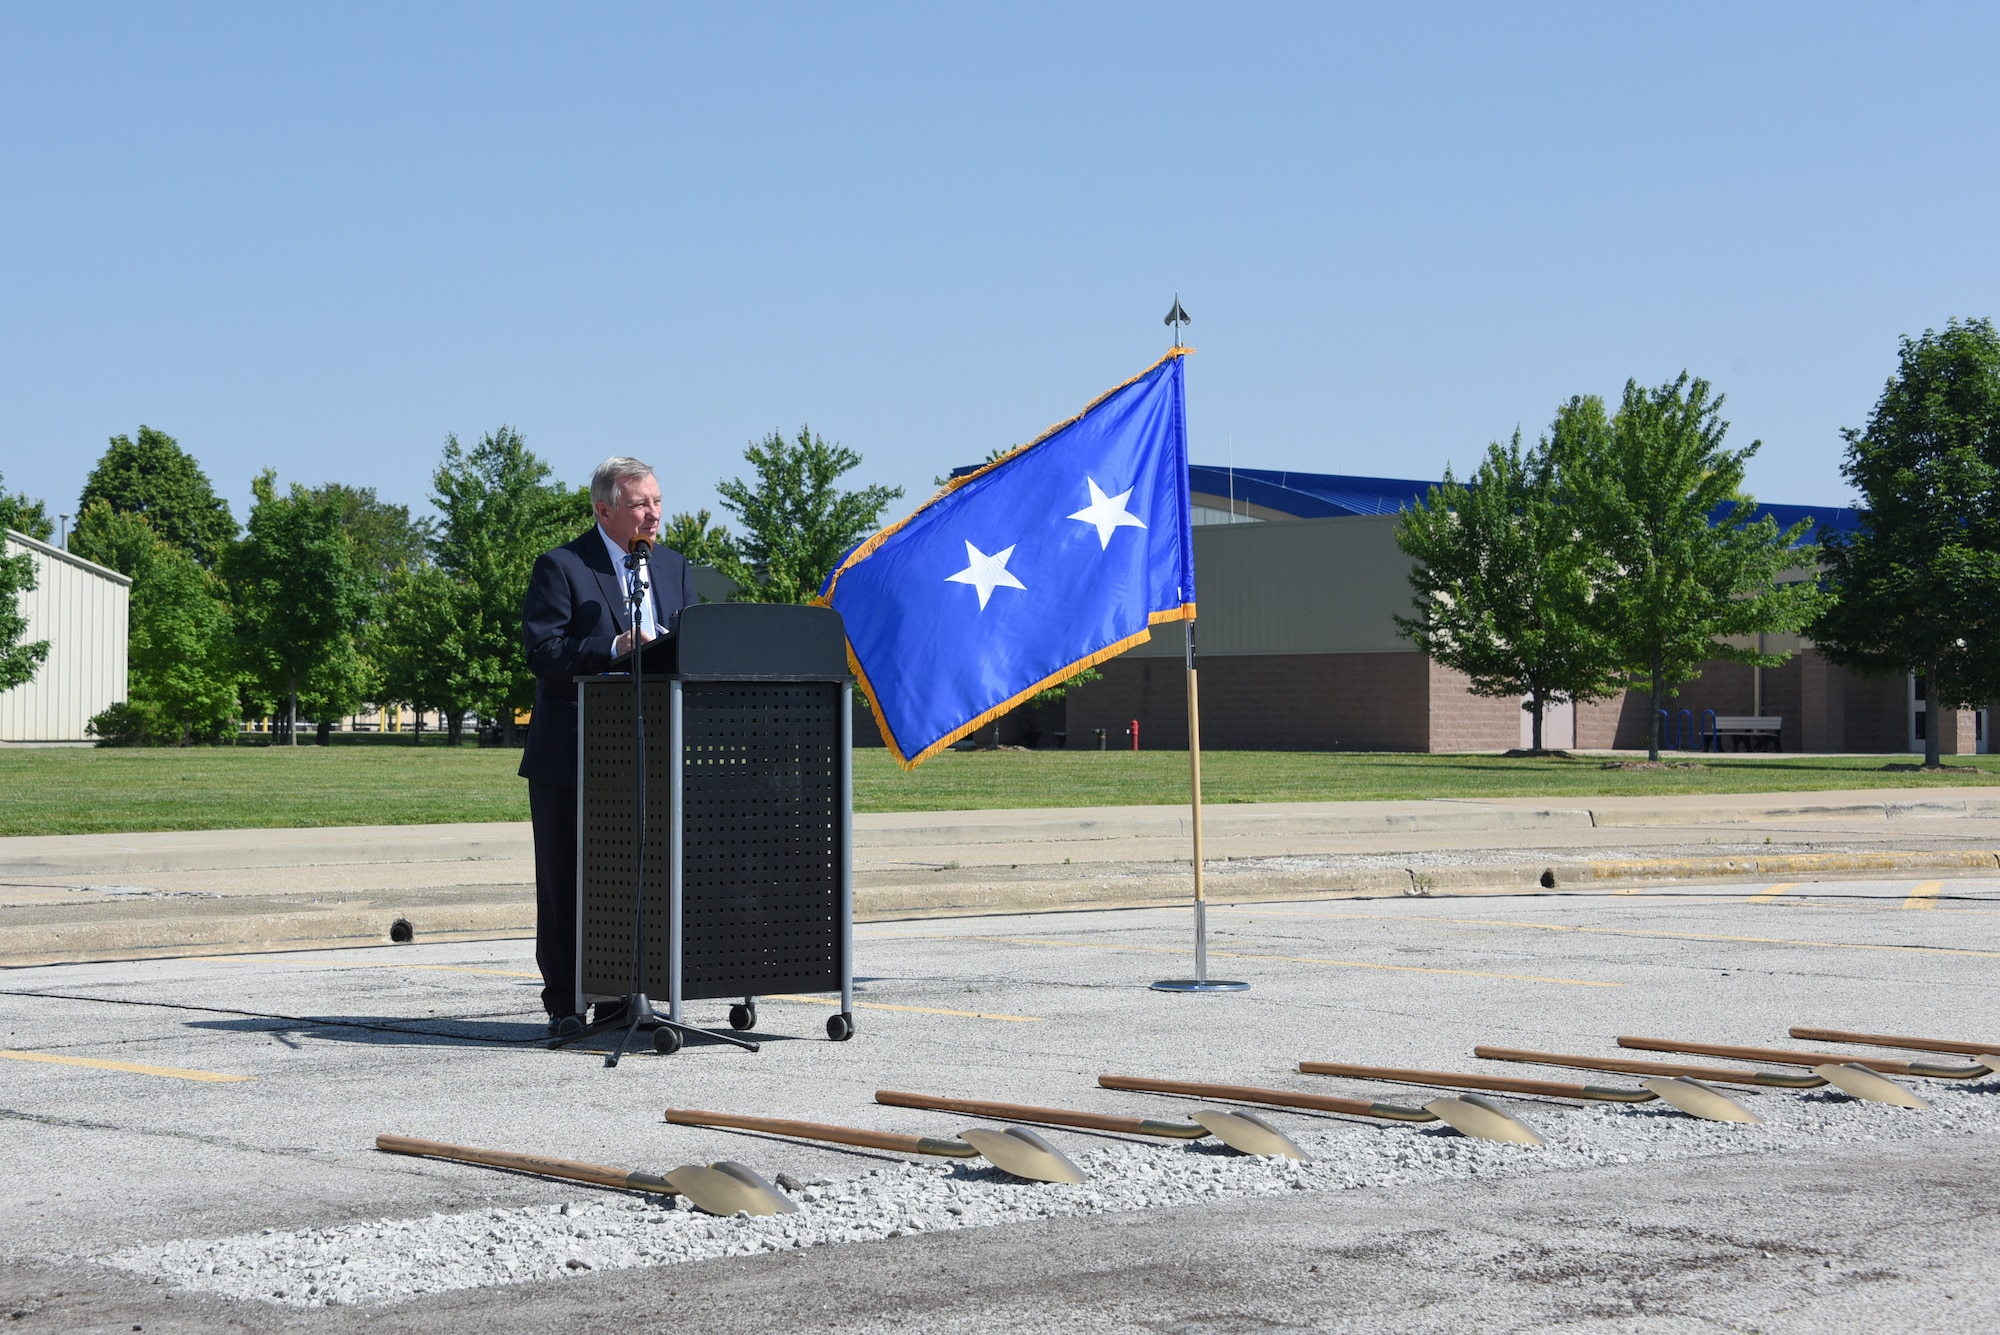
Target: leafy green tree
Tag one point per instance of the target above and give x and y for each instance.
(1647, 490)
(385, 538)
(154, 477)
(385, 541)
(19, 662)
(182, 678)
(1503, 578)
(420, 648)
(299, 599)
(702, 542)
(119, 540)
(500, 508)
(24, 515)
(1918, 584)
(796, 522)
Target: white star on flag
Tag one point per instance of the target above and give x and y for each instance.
(986, 573)
(1107, 513)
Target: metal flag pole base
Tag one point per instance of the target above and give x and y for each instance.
(638, 1014)
(1201, 982)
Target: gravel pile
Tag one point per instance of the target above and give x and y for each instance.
(393, 1259)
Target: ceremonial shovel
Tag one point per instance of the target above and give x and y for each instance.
(1469, 1114)
(1016, 1150)
(1690, 1096)
(1783, 1057)
(1861, 1078)
(722, 1188)
(1983, 1053)
(1246, 1133)
(1767, 1079)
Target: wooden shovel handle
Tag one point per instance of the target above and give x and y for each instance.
(573, 1169)
(1632, 1066)
(1965, 1047)
(1785, 1057)
(1277, 1098)
(1561, 1089)
(1022, 1112)
(839, 1135)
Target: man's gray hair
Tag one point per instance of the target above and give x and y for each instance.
(619, 468)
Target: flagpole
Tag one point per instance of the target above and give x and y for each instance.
(1201, 982)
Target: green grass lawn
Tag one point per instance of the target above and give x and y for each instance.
(77, 791)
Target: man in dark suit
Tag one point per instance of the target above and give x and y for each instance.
(576, 620)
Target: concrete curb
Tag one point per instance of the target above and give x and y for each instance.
(183, 933)
(30, 857)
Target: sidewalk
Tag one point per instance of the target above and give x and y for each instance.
(77, 897)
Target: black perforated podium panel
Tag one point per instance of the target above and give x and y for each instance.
(762, 820)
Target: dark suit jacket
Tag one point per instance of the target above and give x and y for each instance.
(574, 609)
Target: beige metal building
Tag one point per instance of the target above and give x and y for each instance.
(81, 609)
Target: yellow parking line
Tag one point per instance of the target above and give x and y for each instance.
(1774, 892)
(1670, 936)
(1924, 895)
(133, 1068)
(914, 1010)
(1245, 955)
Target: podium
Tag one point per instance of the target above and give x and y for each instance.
(749, 884)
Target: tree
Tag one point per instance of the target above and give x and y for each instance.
(1662, 502)
(700, 541)
(154, 477)
(1918, 583)
(385, 538)
(115, 539)
(1503, 577)
(182, 682)
(19, 662)
(24, 515)
(419, 646)
(501, 508)
(796, 523)
(299, 598)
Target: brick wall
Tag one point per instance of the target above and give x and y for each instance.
(1620, 722)
(1956, 735)
(1877, 713)
(1462, 721)
(1263, 702)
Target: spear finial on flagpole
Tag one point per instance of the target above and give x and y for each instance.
(1178, 317)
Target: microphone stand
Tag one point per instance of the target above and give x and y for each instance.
(639, 1011)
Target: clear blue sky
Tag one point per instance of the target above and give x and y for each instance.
(318, 239)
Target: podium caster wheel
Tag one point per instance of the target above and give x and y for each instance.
(840, 1028)
(742, 1018)
(666, 1041)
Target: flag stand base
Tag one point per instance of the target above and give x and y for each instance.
(1198, 985)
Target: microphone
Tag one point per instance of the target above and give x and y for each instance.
(640, 547)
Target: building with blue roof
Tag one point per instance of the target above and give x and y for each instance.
(1232, 495)
(1299, 584)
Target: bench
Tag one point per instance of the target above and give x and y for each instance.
(1749, 733)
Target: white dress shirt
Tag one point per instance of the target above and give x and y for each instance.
(649, 618)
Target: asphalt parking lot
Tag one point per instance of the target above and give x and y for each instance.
(238, 1098)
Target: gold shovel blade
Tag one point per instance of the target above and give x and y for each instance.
(1698, 1100)
(1990, 1061)
(1470, 1115)
(1247, 1133)
(1863, 1083)
(1022, 1153)
(726, 1187)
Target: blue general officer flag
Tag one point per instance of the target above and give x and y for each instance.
(1013, 578)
